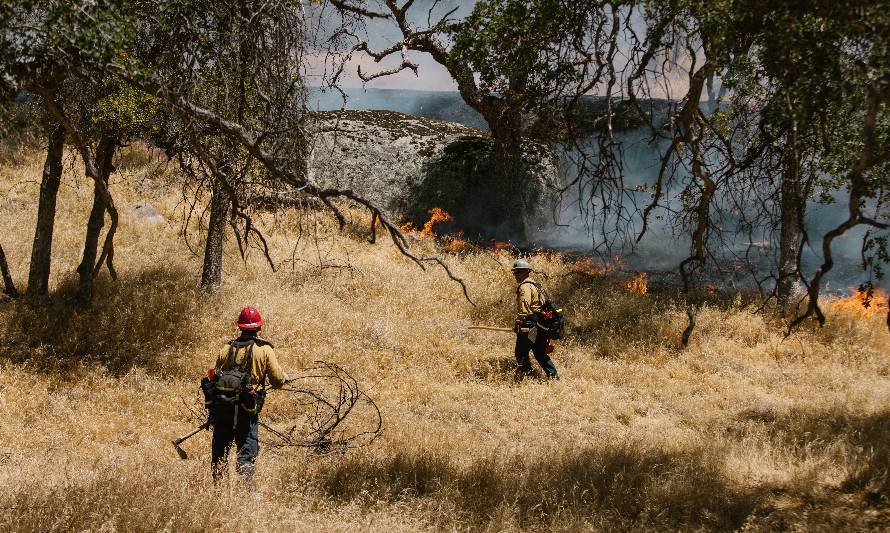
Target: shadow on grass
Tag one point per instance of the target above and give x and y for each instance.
(495, 369)
(154, 501)
(138, 320)
(623, 486)
(863, 440)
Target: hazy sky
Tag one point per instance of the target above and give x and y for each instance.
(381, 34)
(432, 76)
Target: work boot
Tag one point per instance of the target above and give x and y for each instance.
(245, 472)
(218, 469)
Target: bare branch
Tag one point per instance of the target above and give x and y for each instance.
(858, 191)
(349, 7)
(328, 398)
(248, 139)
(406, 64)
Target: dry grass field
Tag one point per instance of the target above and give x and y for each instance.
(744, 429)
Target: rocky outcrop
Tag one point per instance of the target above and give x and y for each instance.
(145, 213)
(410, 165)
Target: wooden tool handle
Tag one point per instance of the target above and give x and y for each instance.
(492, 328)
(194, 432)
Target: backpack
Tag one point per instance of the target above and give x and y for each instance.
(230, 389)
(550, 318)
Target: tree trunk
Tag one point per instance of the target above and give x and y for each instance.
(8, 285)
(505, 197)
(41, 250)
(791, 232)
(104, 157)
(211, 276)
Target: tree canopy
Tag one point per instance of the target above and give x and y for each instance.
(770, 106)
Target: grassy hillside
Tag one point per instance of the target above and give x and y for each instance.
(744, 428)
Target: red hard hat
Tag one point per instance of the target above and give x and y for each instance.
(249, 319)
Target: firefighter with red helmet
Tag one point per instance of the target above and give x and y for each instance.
(235, 392)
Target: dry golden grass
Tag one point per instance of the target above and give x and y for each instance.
(744, 429)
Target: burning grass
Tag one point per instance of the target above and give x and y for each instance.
(744, 429)
(863, 303)
(437, 218)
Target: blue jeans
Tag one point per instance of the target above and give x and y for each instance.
(245, 434)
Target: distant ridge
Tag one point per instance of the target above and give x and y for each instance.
(438, 105)
(449, 106)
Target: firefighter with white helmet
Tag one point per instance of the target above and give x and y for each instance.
(530, 297)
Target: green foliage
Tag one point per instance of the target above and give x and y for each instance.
(40, 39)
(131, 113)
(519, 48)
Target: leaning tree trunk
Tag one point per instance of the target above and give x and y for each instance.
(104, 156)
(41, 250)
(791, 232)
(211, 275)
(8, 285)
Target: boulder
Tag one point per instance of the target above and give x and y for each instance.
(409, 165)
(145, 213)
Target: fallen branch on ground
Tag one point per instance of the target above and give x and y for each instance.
(324, 410)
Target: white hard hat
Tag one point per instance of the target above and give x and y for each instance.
(521, 264)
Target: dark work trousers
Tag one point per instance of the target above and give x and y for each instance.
(246, 437)
(539, 348)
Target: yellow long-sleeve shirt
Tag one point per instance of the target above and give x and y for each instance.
(263, 364)
(528, 300)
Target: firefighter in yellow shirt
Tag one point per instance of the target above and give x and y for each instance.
(242, 368)
(530, 296)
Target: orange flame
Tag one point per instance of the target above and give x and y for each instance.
(587, 265)
(500, 247)
(437, 216)
(457, 245)
(638, 283)
(860, 305)
(592, 267)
